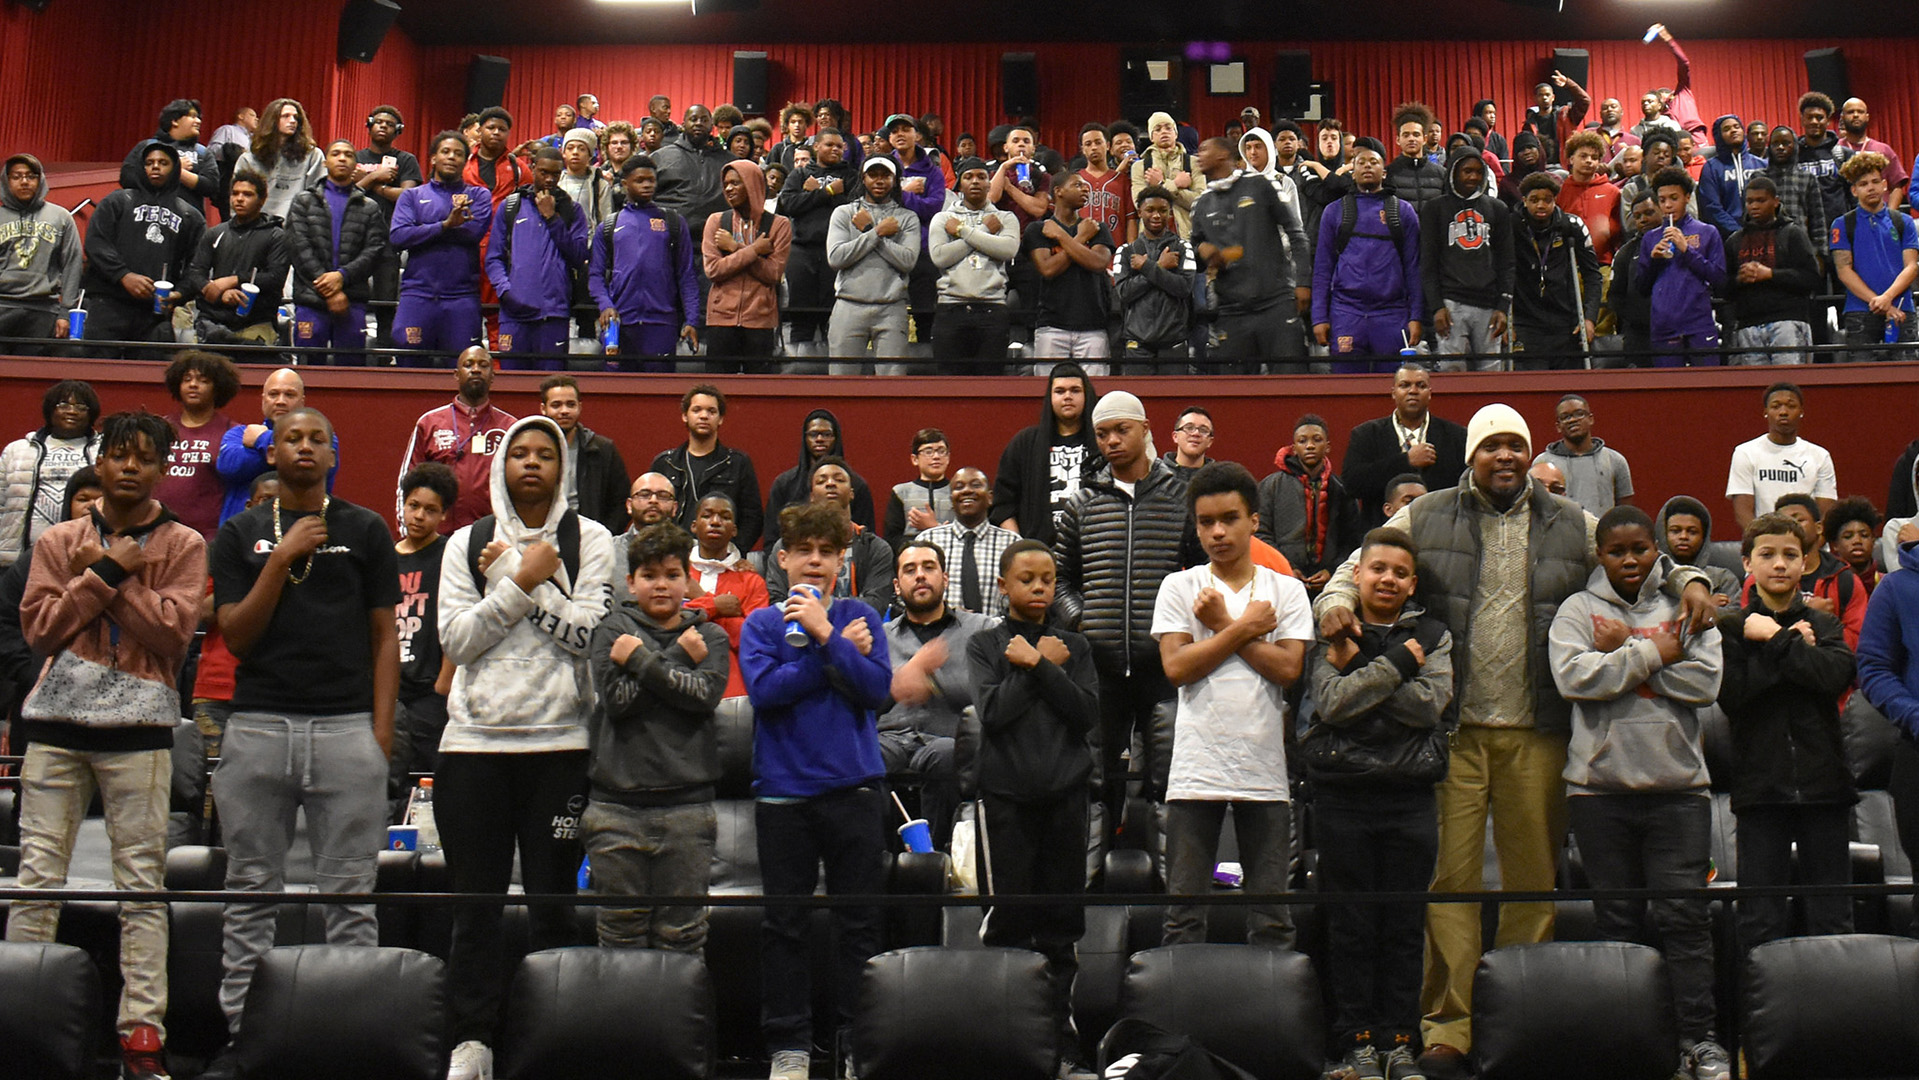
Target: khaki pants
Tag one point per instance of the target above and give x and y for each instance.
(1515, 773)
(56, 786)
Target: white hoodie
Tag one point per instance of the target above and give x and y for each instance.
(522, 684)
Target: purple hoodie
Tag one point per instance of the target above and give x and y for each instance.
(532, 273)
(645, 275)
(440, 263)
(1682, 287)
(932, 201)
(1369, 277)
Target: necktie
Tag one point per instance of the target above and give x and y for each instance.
(969, 577)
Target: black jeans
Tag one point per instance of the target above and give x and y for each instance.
(110, 319)
(417, 727)
(726, 346)
(809, 292)
(1241, 342)
(485, 804)
(21, 322)
(1904, 788)
(1126, 704)
(1766, 835)
(1655, 842)
(1375, 840)
(386, 288)
(1037, 848)
(846, 830)
(1552, 348)
(972, 338)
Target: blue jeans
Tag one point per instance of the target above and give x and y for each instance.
(1375, 840)
(1784, 334)
(846, 830)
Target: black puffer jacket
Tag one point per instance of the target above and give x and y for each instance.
(253, 251)
(1781, 696)
(363, 243)
(1113, 550)
(1418, 180)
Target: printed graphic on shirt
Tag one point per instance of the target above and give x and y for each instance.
(1468, 231)
(1782, 472)
(1065, 466)
(189, 455)
(410, 615)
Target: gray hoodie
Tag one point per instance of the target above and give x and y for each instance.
(1721, 580)
(973, 264)
(872, 268)
(1635, 722)
(39, 248)
(522, 683)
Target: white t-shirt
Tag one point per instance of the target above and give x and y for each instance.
(1229, 741)
(1766, 470)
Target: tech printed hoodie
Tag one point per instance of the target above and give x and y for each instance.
(39, 248)
(145, 230)
(1465, 245)
(522, 681)
(1635, 727)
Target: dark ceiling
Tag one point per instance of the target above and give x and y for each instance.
(497, 22)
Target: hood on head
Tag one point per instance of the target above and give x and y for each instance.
(839, 442)
(1765, 153)
(1681, 504)
(39, 196)
(754, 178)
(1520, 142)
(508, 525)
(1453, 161)
(1721, 148)
(140, 158)
(1272, 152)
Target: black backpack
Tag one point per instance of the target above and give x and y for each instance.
(674, 223)
(1349, 220)
(568, 541)
(1134, 1049)
(1849, 221)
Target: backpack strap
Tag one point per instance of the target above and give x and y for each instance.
(1395, 225)
(1348, 221)
(481, 534)
(477, 538)
(510, 210)
(569, 544)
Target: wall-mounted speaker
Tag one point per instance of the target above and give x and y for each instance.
(1019, 84)
(363, 26)
(486, 81)
(1292, 84)
(749, 82)
(1575, 64)
(1826, 73)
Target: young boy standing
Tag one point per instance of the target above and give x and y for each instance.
(1635, 767)
(1875, 254)
(1304, 508)
(1787, 668)
(1681, 266)
(1038, 702)
(925, 501)
(427, 491)
(660, 670)
(816, 751)
(1155, 283)
(1232, 637)
(113, 598)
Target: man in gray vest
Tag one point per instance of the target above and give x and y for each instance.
(1497, 556)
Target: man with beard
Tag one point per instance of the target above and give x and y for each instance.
(932, 683)
(650, 503)
(463, 435)
(1854, 118)
(1411, 440)
(690, 168)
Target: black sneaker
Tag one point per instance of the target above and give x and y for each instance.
(1707, 1060)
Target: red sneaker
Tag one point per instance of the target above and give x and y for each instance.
(142, 1056)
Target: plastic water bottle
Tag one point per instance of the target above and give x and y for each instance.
(419, 814)
(586, 873)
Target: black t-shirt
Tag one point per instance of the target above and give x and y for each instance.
(406, 168)
(316, 656)
(1066, 469)
(418, 619)
(1076, 299)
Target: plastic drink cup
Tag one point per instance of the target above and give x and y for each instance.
(77, 323)
(162, 290)
(917, 835)
(249, 292)
(403, 838)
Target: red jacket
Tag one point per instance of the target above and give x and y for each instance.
(751, 589)
(446, 435)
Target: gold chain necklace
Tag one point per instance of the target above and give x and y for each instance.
(300, 576)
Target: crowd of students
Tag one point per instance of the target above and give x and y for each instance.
(1458, 622)
(837, 248)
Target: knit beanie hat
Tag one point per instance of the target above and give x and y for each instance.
(1495, 419)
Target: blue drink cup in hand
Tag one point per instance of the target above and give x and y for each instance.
(796, 634)
(249, 292)
(162, 291)
(77, 323)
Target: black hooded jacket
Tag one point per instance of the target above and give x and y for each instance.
(1023, 486)
(1465, 244)
(206, 166)
(254, 251)
(141, 230)
(363, 243)
(1782, 246)
(794, 485)
(1545, 258)
(812, 211)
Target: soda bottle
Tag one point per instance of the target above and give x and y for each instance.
(419, 814)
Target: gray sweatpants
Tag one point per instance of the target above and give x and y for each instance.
(270, 766)
(1472, 333)
(854, 325)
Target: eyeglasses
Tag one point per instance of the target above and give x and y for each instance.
(1194, 429)
(653, 496)
(933, 451)
(1576, 414)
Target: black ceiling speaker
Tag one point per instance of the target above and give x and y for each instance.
(486, 81)
(749, 82)
(1826, 73)
(721, 7)
(1292, 91)
(363, 26)
(1019, 84)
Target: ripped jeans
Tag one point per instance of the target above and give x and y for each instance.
(270, 766)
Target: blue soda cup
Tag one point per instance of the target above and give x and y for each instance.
(1023, 172)
(249, 292)
(796, 634)
(162, 290)
(917, 835)
(77, 323)
(402, 837)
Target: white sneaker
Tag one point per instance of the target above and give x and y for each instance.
(791, 1065)
(471, 1061)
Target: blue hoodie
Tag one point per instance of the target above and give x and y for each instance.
(1682, 287)
(443, 264)
(647, 286)
(532, 272)
(814, 705)
(1369, 277)
(1722, 183)
(1889, 645)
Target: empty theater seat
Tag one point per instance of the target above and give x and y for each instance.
(955, 1014)
(321, 1012)
(582, 1014)
(1832, 1007)
(1258, 1008)
(1585, 1010)
(49, 1011)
